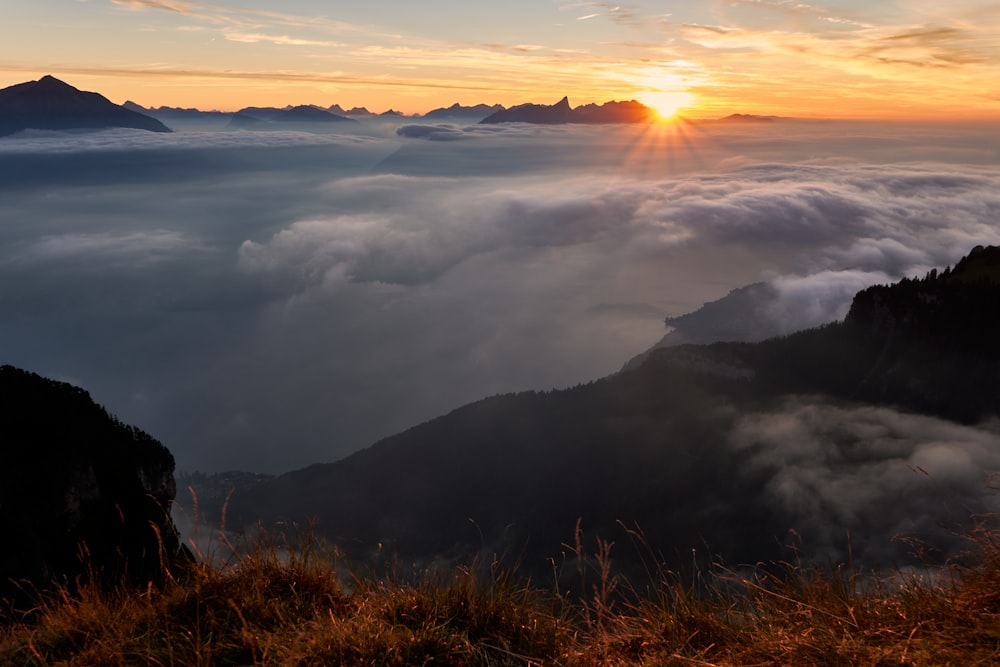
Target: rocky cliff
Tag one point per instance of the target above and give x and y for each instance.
(80, 492)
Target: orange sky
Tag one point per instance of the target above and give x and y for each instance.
(901, 59)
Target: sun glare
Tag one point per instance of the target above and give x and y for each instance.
(667, 103)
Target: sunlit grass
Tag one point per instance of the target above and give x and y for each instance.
(292, 606)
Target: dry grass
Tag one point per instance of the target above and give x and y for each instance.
(271, 605)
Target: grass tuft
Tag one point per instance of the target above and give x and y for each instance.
(268, 603)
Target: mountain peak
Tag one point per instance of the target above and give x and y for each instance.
(49, 80)
(52, 104)
(561, 112)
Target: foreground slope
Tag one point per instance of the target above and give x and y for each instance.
(845, 435)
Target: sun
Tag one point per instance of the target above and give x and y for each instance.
(667, 103)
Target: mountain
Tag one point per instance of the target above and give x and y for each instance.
(308, 114)
(177, 113)
(615, 112)
(359, 112)
(747, 118)
(50, 104)
(261, 113)
(477, 112)
(74, 480)
(561, 112)
(262, 117)
(720, 449)
(554, 114)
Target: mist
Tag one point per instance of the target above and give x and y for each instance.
(268, 300)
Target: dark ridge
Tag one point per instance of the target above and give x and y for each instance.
(81, 493)
(561, 112)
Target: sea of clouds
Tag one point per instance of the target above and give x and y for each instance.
(267, 300)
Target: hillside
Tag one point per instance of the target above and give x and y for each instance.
(730, 449)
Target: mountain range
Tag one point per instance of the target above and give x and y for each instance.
(728, 449)
(561, 112)
(51, 104)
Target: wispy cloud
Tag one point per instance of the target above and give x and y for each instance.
(224, 14)
(617, 13)
(283, 40)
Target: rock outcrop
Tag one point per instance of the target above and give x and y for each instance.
(81, 493)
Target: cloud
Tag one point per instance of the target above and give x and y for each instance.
(282, 40)
(35, 142)
(877, 473)
(226, 14)
(266, 300)
(859, 218)
(166, 5)
(135, 248)
(442, 132)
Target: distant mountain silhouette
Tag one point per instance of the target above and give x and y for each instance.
(308, 114)
(561, 112)
(50, 104)
(176, 113)
(477, 112)
(261, 113)
(655, 445)
(305, 114)
(358, 112)
(241, 120)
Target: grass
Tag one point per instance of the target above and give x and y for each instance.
(270, 605)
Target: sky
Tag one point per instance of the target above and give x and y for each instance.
(909, 59)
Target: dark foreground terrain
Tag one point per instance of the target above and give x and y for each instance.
(270, 606)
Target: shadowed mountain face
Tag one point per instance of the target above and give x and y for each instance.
(75, 481)
(50, 104)
(720, 448)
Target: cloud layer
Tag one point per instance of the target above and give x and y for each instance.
(268, 300)
(873, 473)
